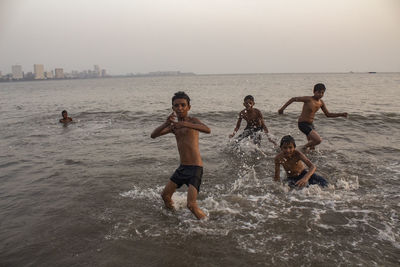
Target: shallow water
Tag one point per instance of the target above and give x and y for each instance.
(88, 193)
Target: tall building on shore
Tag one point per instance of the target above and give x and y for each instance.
(59, 73)
(96, 71)
(49, 74)
(17, 72)
(38, 70)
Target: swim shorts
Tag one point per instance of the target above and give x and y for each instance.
(188, 174)
(252, 133)
(305, 127)
(314, 179)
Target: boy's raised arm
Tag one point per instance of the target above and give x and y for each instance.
(332, 115)
(293, 99)
(163, 128)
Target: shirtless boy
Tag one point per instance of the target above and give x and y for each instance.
(190, 171)
(292, 161)
(65, 118)
(311, 105)
(255, 122)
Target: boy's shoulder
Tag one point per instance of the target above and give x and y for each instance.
(308, 97)
(192, 119)
(257, 111)
(298, 155)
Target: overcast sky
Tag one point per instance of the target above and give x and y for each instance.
(201, 36)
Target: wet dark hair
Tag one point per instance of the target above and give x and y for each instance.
(319, 87)
(179, 95)
(250, 97)
(287, 139)
(64, 111)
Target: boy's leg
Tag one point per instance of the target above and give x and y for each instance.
(313, 139)
(192, 203)
(167, 193)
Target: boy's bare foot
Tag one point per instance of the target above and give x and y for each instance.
(169, 204)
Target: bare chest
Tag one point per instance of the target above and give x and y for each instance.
(292, 166)
(312, 106)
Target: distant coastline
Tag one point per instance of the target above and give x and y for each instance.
(8, 77)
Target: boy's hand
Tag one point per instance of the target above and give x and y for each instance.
(345, 114)
(280, 111)
(231, 135)
(171, 118)
(178, 124)
(302, 182)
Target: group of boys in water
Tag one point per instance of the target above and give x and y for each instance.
(186, 130)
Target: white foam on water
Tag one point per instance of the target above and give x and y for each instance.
(348, 183)
(245, 207)
(139, 193)
(389, 235)
(220, 206)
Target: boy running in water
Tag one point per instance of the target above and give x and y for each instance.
(190, 171)
(255, 122)
(311, 105)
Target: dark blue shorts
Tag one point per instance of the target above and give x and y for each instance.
(188, 174)
(314, 179)
(305, 127)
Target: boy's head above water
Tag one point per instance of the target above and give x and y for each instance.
(319, 87)
(181, 95)
(248, 102)
(181, 104)
(288, 145)
(287, 139)
(64, 113)
(319, 90)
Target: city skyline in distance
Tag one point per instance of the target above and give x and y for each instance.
(41, 73)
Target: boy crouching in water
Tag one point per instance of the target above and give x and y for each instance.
(190, 171)
(292, 161)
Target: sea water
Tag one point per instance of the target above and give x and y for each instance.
(88, 193)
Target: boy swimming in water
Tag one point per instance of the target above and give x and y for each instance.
(292, 161)
(311, 105)
(255, 122)
(190, 171)
(65, 118)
